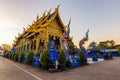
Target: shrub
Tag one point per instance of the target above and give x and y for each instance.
(6, 55)
(44, 58)
(12, 57)
(30, 57)
(16, 57)
(108, 56)
(62, 58)
(118, 50)
(83, 59)
(71, 45)
(21, 57)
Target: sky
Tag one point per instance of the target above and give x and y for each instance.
(101, 17)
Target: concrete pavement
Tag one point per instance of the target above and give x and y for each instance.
(105, 70)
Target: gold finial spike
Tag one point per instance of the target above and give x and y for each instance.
(33, 21)
(44, 12)
(69, 22)
(24, 29)
(37, 17)
(50, 10)
(56, 9)
(28, 24)
(58, 6)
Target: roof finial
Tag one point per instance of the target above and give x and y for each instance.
(44, 12)
(49, 11)
(58, 6)
(24, 29)
(69, 22)
(37, 17)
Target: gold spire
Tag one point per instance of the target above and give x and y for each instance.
(58, 6)
(37, 17)
(24, 29)
(44, 13)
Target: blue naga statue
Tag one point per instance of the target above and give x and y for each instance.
(65, 39)
(72, 56)
(84, 51)
(94, 52)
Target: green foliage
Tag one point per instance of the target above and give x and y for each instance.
(44, 58)
(21, 57)
(6, 55)
(106, 44)
(62, 58)
(16, 57)
(108, 56)
(30, 57)
(6, 47)
(71, 45)
(118, 50)
(83, 59)
(12, 57)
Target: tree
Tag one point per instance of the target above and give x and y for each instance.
(71, 45)
(62, 58)
(106, 44)
(6, 47)
(118, 50)
(112, 43)
(44, 58)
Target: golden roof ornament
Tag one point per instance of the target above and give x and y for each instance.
(37, 17)
(24, 29)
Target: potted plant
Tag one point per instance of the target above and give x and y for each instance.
(62, 60)
(30, 58)
(71, 45)
(13, 54)
(16, 57)
(108, 56)
(83, 59)
(44, 59)
(10, 56)
(21, 57)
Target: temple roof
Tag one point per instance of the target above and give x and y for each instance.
(43, 21)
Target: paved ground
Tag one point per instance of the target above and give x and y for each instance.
(105, 70)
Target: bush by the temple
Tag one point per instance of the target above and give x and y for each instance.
(108, 56)
(12, 57)
(21, 57)
(5, 55)
(16, 57)
(83, 59)
(71, 45)
(44, 58)
(62, 58)
(30, 57)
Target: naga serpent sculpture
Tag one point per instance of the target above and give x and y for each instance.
(66, 36)
(83, 42)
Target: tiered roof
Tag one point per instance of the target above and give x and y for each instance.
(42, 22)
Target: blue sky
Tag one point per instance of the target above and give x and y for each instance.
(101, 17)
